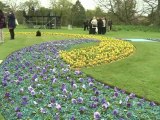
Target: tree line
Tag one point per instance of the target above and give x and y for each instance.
(120, 11)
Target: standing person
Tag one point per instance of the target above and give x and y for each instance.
(110, 24)
(104, 28)
(2, 23)
(85, 25)
(11, 24)
(90, 26)
(94, 25)
(100, 25)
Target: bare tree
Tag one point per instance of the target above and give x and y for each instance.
(153, 9)
(124, 10)
(13, 4)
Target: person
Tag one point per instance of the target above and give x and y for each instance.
(11, 24)
(100, 25)
(110, 24)
(104, 27)
(2, 25)
(85, 23)
(90, 26)
(94, 25)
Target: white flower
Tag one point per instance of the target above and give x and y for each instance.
(35, 102)
(84, 86)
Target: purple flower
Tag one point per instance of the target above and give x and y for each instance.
(97, 116)
(20, 79)
(33, 92)
(21, 90)
(81, 79)
(127, 98)
(93, 105)
(74, 86)
(50, 105)
(139, 104)
(58, 106)
(115, 112)
(152, 104)
(30, 88)
(77, 72)
(103, 100)
(17, 109)
(4, 83)
(132, 95)
(115, 94)
(24, 103)
(52, 100)
(7, 95)
(74, 101)
(34, 77)
(80, 100)
(129, 114)
(43, 110)
(24, 98)
(106, 87)
(54, 80)
(19, 115)
(82, 109)
(97, 92)
(63, 86)
(116, 89)
(73, 117)
(91, 84)
(57, 117)
(128, 104)
(105, 106)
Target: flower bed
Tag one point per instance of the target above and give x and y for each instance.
(106, 52)
(37, 84)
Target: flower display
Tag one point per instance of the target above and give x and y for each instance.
(35, 83)
(107, 51)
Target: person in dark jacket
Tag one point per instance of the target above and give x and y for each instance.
(85, 25)
(11, 24)
(100, 25)
(2, 25)
(110, 24)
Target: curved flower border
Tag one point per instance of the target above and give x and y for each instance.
(38, 84)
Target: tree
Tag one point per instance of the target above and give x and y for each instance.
(124, 10)
(4, 7)
(153, 8)
(30, 6)
(62, 8)
(78, 14)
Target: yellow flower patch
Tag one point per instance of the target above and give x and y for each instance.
(107, 51)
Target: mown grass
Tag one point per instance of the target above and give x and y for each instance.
(138, 73)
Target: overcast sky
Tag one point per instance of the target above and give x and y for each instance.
(87, 4)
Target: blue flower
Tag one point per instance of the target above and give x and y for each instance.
(97, 116)
(19, 115)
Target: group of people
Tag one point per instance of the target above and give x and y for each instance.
(97, 25)
(11, 24)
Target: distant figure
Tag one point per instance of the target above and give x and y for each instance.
(104, 27)
(100, 25)
(85, 24)
(38, 33)
(90, 26)
(110, 24)
(11, 24)
(2, 25)
(94, 25)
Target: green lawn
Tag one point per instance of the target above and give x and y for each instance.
(138, 73)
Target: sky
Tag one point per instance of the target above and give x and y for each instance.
(87, 4)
